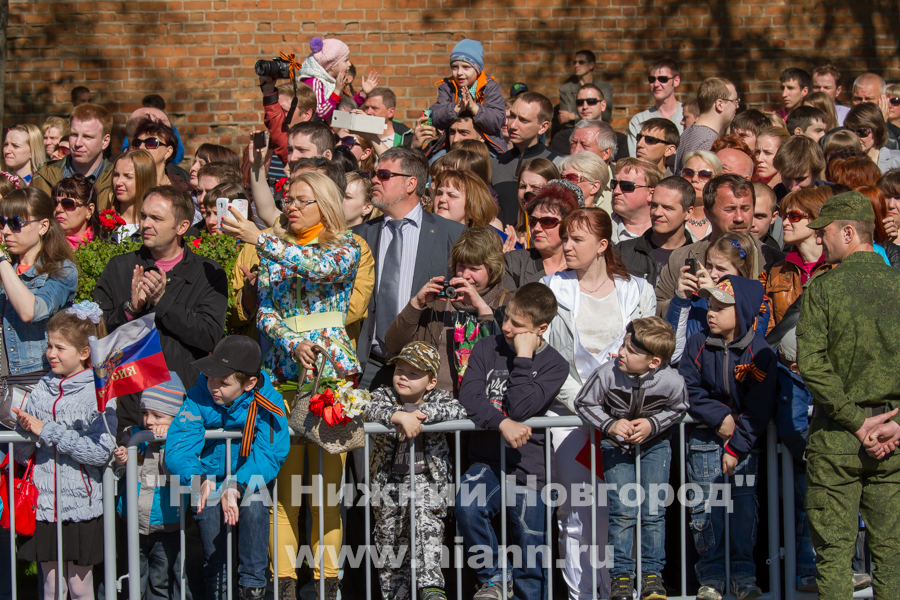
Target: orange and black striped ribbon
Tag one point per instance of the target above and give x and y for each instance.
(249, 431)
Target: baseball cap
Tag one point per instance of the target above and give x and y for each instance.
(233, 353)
(421, 355)
(516, 89)
(723, 292)
(849, 206)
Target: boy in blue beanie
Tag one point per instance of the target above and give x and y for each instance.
(469, 94)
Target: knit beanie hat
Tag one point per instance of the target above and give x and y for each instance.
(469, 51)
(329, 52)
(166, 397)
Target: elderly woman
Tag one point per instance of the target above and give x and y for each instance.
(545, 212)
(308, 265)
(699, 167)
(867, 122)
(76, 206)
(591, 174)
(160, 141)
(453, 325)
(597, 299)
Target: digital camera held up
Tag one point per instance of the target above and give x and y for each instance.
(277, 68)
(448, 292)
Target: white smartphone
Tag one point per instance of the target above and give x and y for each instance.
(358, 122)
(223, 204)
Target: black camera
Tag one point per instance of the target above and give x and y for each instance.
(448, 292)
(275, 68)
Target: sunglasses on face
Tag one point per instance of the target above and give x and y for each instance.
(150, 143)
(68, 204)
(364, 174)
(384, 174)
(649, 139)
(626, 186)
(581, 62)
(574, 178)
(662, 79)
(702, 174)
(349, 141)
(546, 222)
(796, 215)
(863, 132)
(588, 101)
(895, 101)
(15, 223)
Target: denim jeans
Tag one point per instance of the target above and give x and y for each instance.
(619, 472)
(161, 566)
(705, 449)
(526, 522)
(252, 544)
(806, 556)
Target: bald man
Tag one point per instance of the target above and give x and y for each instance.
(737, 162)
(870, 87)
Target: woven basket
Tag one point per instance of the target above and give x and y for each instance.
(334, 440)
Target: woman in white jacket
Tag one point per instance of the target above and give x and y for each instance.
(597, 299)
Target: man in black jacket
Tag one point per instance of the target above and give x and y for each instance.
(670, 208)
(188, 293)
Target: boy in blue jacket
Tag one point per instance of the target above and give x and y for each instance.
(232, 394)
(731, 377)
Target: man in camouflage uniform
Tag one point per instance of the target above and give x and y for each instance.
(391, 469)
(848, 348)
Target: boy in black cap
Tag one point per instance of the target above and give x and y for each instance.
(232, 394)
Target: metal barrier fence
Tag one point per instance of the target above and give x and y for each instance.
(775, 552)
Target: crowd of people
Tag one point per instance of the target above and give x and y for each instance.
(499, 260)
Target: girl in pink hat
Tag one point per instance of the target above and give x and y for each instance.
(325, 70)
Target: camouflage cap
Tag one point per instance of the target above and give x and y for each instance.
(421, 355)
(849, 206)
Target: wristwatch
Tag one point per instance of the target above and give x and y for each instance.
(4, 257)
(130, 309)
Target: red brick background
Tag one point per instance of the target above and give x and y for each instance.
(199, 55)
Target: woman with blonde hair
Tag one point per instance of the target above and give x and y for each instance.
(823, 102)
(54, 130)
(767, 145)
(591, 174)
(134, 172)
(308, 266)
(23, 151)
(699, 167)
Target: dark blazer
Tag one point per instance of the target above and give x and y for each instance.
(436, 238)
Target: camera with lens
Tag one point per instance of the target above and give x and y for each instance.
(448, 291)
(276, 68)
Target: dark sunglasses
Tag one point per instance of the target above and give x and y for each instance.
(625, 186)
(588, 101)
(68, 204)
(661, 79)
(702, 174)
(895, 101)
(349, 141)
(150, 143)
(863, 131)
(581, 62)
(649, 139)
(384, 174)
(574, 178)
(364, 174)
(796, 215)
(15, 223)
(546, 222)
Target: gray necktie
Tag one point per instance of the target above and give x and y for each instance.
(388, 298)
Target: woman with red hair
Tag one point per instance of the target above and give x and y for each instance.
(883, 243)
(853, 171)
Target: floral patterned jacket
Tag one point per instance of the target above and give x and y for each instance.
(302, 280)
(438, 406)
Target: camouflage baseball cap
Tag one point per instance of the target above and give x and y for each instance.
(849, 206)
(421, 355)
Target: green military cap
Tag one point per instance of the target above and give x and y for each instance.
(421, 355)
(849, 206)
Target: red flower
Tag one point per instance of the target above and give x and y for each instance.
(280, 184)
(196, 242)
(109, 219)
(325, 405)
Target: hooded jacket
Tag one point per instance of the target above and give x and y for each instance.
(490, 118)
(190, 454)
(738, 378)
(156, 511)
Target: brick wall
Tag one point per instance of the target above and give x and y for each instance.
(199, 55)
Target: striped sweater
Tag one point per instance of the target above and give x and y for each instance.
(611, 394)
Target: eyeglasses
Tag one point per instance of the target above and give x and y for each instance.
(796, 215)
(626, 186)
(662, 79)
(863, 132)
(364, 174)
(68, 204)
(736, 101)
(150, 143)
(288, 202)
(546, 222)
(649, 139)
(15, 223)
(574, 178)
(702, 174)
(581, 62)
(588, 101)
(349, 141)
(895, 101)
(384, 174)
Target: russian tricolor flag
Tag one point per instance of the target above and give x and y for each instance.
(127, 361)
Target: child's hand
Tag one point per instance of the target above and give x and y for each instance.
(526, 343)
(622, 428)
(121, 455)
(729, 463)
(370, 82)
(423, 134)
(206, 488)
(687, 284)
(726, 429)
(159, 430)
(231, 501)
(642, 431)
(409, 424)
(516, 434)
(28, 422)
(704, 278)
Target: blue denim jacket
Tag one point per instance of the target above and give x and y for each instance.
(27, 342)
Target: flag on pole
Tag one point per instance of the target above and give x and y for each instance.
(127, 361)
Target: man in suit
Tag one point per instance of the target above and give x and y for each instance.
(410, 247)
